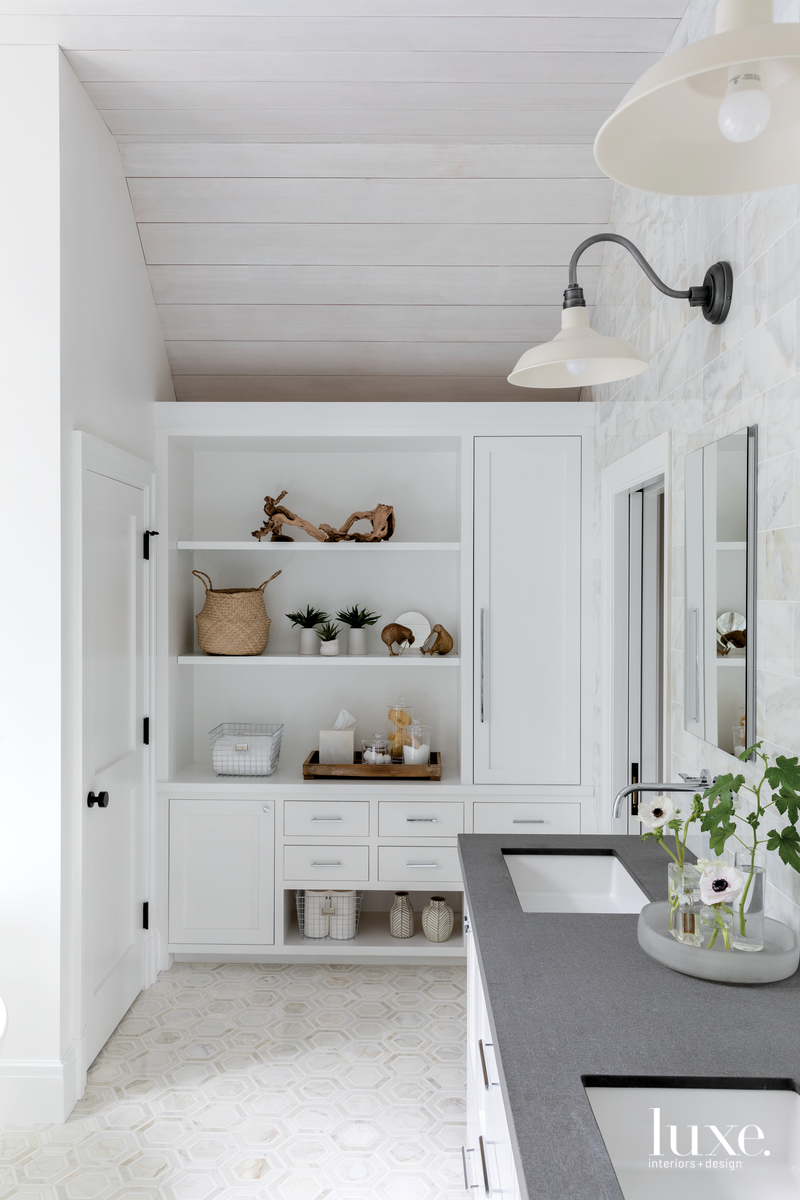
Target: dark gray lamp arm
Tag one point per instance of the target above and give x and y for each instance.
(636, 253)
(713, 296)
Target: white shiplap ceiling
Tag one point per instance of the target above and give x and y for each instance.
(356, 199)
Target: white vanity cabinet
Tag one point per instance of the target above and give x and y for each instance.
(488, 1159)
(527, 663)
(222, 872)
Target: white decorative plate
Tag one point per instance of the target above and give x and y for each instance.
(419, 626)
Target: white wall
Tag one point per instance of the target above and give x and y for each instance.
(81, 348)
(706, 381)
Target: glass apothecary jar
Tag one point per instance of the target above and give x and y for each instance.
(685, 904)
(376, 751)
(399, 715)
(417, 744)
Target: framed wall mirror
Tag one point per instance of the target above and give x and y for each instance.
(720, 612)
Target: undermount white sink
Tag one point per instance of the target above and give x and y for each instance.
(643, 1127)
(574, 883)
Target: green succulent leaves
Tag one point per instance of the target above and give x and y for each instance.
(309, 618)
(357, 618)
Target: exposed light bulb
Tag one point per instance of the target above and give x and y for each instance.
(576, 366)
(744, 112)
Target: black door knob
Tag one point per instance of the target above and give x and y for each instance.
(101, 801)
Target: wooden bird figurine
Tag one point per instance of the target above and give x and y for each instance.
(396, 633)
(438, 641)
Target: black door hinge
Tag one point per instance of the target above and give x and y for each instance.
(635, 796)
(146, 915)
(148, 533)
(146, 731)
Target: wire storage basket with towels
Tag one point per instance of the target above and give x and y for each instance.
(328, 914)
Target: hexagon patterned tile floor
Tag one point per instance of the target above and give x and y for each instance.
(265, 1082)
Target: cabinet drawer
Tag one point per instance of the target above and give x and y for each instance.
(526, 818)
(418, 864)
(326, 863)
(398, 818)
(348, 818)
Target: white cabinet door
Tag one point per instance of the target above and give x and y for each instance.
(527, 610)
(221, 872)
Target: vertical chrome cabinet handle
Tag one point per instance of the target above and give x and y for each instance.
(483, 1064)
(486, 1186)
(697, 664)
(483, 647)
(464, 1152)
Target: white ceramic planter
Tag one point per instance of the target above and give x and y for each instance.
(309, 642)
(357, 641)
(328, 649)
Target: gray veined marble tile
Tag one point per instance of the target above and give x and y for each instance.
(776, 483)
(776, 636)
(767, 215)
(782, 564)
(768, 353)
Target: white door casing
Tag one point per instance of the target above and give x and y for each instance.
(115, 492)
(528, 610)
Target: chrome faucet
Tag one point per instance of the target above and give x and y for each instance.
(691, 783)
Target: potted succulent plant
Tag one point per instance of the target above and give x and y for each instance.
(328, 635)
(308, 620)
(358, 619)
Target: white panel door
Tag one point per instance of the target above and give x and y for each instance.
(113, 589)
(222, 872)
(528, 611)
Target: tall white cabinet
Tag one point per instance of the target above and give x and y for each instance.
(528, 610)
(488, 523)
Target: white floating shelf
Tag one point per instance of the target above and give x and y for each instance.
(329, 547)
(732, 662)
(437, 662)
(731, 545)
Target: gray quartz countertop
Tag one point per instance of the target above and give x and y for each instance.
(573, 994)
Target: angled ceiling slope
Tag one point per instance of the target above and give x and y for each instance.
(373, 199)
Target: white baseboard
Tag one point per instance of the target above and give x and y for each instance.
(39, 1091)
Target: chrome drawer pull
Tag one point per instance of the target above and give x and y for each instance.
(429, 820)
(483, 1064)
(327, 863)
(486, 1186)
(422, 864)
(326, 818)
(464, 1152)
(528, 821)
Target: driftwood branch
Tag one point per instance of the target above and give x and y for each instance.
(381, 518)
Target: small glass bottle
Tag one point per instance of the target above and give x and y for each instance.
(376, 751)
(417, 744)
(399, 715)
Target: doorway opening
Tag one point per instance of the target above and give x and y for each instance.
(638, 724)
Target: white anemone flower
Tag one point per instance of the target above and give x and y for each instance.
(721, 884)
(657, 812)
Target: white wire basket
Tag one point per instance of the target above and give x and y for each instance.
(328, 915)
(245, 747)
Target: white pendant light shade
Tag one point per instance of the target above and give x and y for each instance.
(577, 357)
(718, 116)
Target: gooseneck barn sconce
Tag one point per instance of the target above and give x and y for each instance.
(719, 116)
(578, 356)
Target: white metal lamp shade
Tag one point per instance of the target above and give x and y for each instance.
(591, 357)
(665, 136)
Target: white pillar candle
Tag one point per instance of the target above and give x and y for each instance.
(343, 924)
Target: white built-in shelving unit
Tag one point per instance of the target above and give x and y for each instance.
(216, 464)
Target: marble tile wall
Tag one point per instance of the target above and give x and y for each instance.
(706, 381)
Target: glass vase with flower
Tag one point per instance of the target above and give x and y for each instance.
(685, 902)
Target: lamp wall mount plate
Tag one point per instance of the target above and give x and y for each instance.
(665, 135)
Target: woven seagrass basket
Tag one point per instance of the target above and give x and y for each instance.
(233, 620)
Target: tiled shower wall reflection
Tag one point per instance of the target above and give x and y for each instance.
(706, 381)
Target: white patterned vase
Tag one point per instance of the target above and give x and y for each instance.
(437, 919)
(401, 916)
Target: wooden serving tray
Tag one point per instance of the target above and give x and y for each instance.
(314, 769)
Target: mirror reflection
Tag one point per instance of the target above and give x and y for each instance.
(720, 591)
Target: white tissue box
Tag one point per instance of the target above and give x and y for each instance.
(337, 746)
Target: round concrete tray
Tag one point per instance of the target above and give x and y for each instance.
(778, 959)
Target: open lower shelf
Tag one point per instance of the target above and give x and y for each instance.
(425, 661)
(329, 547)
(373, 934)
